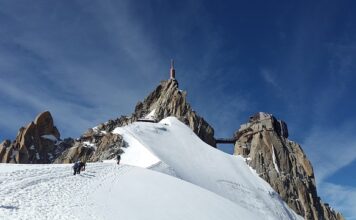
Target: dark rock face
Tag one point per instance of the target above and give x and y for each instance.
(283, 164)
(38, 142)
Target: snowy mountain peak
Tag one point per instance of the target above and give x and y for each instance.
(171, 147)
(164, 101)
(164, 134)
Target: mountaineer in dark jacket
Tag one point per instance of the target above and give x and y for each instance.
(78, 166)
(75, 167)
(118, 158)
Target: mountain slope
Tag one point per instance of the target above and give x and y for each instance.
(222, 185)
(184, 155)
(106, 191)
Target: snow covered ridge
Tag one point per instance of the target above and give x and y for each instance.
(202, 183)
(184, 155)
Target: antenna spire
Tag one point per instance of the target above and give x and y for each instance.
(172, 64)
(172, 70)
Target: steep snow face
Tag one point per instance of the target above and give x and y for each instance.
(189, 158)
(106, 191)
(136, 154)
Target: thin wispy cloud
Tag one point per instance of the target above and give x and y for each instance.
(330, 150)
(89, 62)
(342, 198)
(270, 78)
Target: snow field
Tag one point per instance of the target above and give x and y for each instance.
(184, 155)
(202, 183)
(106, 191)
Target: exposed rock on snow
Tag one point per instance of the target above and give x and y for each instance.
(283, 164)
(93, 146)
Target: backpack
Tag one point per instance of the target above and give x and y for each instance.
(76, 165)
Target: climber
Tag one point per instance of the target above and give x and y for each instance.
(81, 166)
(78, 166)
(75, 167)
(118, 158)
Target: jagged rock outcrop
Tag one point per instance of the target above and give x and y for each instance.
(94, 145)
(166, 100)
(283, 164)
(38, 142)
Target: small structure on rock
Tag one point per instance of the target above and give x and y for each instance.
(172, 71)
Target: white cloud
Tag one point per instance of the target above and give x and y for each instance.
(342, 198)
(330, 149)
(269, 77)
(80, 85)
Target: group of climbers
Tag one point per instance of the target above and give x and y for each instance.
(80, 165)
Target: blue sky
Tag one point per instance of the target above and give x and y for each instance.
(88, 61)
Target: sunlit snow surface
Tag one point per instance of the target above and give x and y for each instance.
(203, 183)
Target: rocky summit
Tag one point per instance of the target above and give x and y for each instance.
(166, 100)
(264, 142)
(38, 142)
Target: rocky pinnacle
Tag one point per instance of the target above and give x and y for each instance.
(264, 142)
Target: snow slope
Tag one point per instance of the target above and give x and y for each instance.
(202, 183)
(106, 191)
(184, 155)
